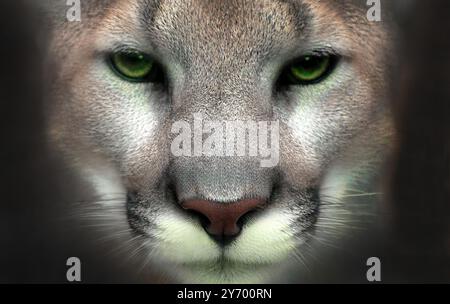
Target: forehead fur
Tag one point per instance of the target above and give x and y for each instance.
(239, 22)
(241, 25)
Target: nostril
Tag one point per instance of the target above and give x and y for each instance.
(204, 221)
(223, 221)
(244, 218)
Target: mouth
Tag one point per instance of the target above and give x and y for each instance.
(204, 236)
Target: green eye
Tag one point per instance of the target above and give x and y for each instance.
(133, 66)
(310, 69)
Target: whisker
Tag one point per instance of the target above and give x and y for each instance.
(299, 257)
(362, 194)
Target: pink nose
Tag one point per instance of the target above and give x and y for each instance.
(223, 217)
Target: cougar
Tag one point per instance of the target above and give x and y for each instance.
(130, 70)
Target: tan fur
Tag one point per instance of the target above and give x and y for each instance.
(223, 58)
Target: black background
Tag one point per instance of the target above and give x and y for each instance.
(36, 237)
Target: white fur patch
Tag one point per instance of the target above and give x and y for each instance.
(182, 240)
(266, 239)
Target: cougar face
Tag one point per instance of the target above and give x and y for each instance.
(130, 70)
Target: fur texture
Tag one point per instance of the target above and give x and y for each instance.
(222, 58)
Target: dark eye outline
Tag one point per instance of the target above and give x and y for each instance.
(155, 75)
(288, 79)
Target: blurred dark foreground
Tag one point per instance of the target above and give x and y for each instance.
(36, 239)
